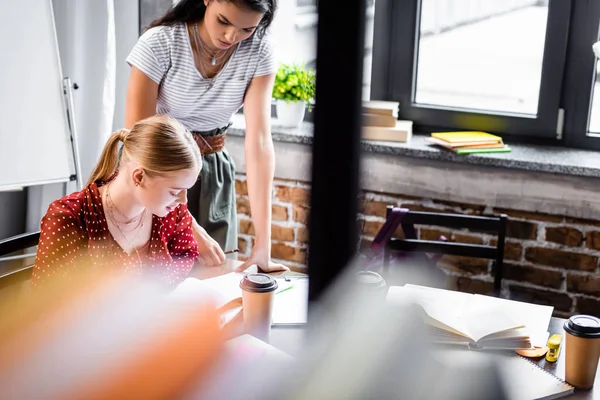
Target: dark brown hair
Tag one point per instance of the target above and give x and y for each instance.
(187, 11)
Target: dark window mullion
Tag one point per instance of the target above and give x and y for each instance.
(403, 42)
(382, 61)
(553, 67)
(579, 74)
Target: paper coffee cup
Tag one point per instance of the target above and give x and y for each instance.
(582, 350)
(371, 284)
(258, 291)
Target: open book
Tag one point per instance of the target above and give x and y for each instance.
(224, 290)
(290, 305)
(482, 322)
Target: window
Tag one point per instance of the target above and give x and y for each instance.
(303, 3)
(467, 58)
(152, 9)
(594, 127)
(295, 32)
(520, 68)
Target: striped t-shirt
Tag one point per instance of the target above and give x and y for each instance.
(164, 54)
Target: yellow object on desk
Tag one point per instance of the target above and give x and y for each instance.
(553, 347)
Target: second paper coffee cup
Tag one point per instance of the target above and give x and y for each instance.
(258, 291)
(582, 350)
(371, 284)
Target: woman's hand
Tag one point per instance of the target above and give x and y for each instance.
(261, 258)
(210, 253)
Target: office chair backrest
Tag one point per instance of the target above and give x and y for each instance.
(408, 219)
(19, 242)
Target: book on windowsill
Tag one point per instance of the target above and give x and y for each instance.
(370, 119)
(469, 142)
(381, 107)
(464, 137)
(400, 132)
(468, 150)
(478, 321)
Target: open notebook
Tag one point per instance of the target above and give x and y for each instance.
(521, 378)
(290, 306)
(526, 380)
(483, 322)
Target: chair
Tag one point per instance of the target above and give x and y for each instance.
(12, 245)
(491, 224)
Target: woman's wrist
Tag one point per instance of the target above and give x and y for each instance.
(198, 231)
(263, 243)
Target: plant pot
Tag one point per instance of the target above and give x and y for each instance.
(289, 113)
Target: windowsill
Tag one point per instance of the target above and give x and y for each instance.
(534, 158)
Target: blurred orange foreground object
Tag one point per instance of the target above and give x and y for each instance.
(106, 336)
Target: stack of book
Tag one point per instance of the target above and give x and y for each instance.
(380, 122)
(469, 142)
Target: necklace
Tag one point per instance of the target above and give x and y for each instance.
(111, 206)
(139, 218)
(214, 57)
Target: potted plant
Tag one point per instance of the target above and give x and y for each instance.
(293, 91)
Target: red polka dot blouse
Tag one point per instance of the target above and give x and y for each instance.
(74, 233)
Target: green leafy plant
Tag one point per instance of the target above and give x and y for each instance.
(294, 82)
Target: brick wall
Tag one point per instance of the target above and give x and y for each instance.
(549, 259)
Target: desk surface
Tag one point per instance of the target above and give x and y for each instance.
(290, 339)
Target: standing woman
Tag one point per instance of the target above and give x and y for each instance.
(201, 62)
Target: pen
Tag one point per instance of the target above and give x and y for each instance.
(232, 251)
(289, 278)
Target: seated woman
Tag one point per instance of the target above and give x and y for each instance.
(132, 214)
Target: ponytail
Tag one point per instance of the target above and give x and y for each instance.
(109, 158)
(158, 144)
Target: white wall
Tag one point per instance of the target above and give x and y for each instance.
(73, 40)
(126, 24)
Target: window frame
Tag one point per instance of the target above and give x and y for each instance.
(581, 63)
(396, 41)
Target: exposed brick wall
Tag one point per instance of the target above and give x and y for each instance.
(288, 231)
(549, 259)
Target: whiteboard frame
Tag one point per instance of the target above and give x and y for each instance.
(68, 109)
(68, 93)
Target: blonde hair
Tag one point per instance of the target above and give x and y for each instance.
(159, 144)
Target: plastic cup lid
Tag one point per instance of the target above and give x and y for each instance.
(586, 326)
(258, 283)
(369, 278)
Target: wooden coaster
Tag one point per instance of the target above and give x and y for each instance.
(533, 353)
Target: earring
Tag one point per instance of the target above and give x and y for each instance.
(137, 184)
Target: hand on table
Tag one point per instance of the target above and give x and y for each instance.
(261, 258)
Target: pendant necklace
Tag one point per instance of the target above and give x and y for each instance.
(202, 47)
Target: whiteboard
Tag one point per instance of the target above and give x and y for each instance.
(35, 140)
